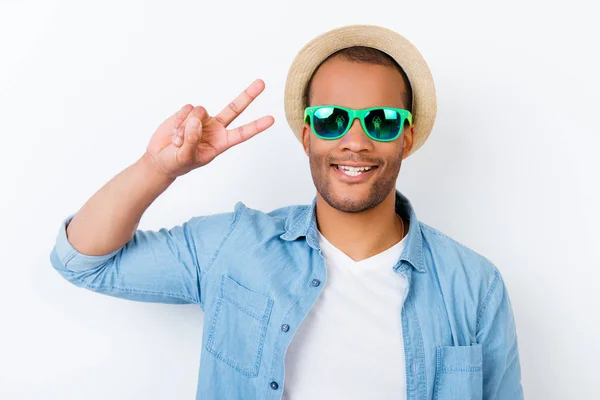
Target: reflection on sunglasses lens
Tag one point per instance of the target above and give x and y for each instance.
(383, 123)
(330, 121)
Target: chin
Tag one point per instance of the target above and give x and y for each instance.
(350, 200)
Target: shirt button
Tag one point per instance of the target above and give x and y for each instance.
(285, 327)
(274, 385)
(315, 282)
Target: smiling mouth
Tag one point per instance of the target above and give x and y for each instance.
(353, 171)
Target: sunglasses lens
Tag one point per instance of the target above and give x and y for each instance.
(330, 122)
(383, 123)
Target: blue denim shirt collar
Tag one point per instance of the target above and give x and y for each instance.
(303, 222)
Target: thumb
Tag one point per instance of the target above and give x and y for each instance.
(191, 137)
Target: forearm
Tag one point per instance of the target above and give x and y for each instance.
(110, 217)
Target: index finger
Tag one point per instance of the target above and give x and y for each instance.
(237, 106)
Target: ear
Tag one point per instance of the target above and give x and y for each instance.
(408, 135)
(306, 138)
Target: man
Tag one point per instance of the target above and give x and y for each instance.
(348, 298)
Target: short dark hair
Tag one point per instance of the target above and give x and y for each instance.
(367, 55)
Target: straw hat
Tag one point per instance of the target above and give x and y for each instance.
(398, 47)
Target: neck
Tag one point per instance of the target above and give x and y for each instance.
(363, 234)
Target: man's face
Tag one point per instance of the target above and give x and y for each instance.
(356, 85)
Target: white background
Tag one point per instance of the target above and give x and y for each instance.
(510, 169)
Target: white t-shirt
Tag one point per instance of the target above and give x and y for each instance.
(350, 344)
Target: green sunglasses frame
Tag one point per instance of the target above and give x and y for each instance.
(353, 114)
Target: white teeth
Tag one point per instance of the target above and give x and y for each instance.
(353, 171)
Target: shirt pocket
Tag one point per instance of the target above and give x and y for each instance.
(458, 373)
(238, 326)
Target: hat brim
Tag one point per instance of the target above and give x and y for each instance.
(424, 106)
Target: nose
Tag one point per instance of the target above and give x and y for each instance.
(356, 140)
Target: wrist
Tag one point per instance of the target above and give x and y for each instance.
(153, 170)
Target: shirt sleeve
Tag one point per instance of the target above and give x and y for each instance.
(496, 332)
(164, 266)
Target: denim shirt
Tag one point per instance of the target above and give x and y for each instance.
(256, 276)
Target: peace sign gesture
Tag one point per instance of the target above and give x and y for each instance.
(191, 138)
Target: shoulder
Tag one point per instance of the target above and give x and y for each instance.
(248, 220)
(451, 248)
(459, 266)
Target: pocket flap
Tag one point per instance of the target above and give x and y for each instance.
(249, 301)
(460, 358)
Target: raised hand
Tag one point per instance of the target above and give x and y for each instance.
(191, 138)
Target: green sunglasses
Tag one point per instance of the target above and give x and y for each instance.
(382, 124)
